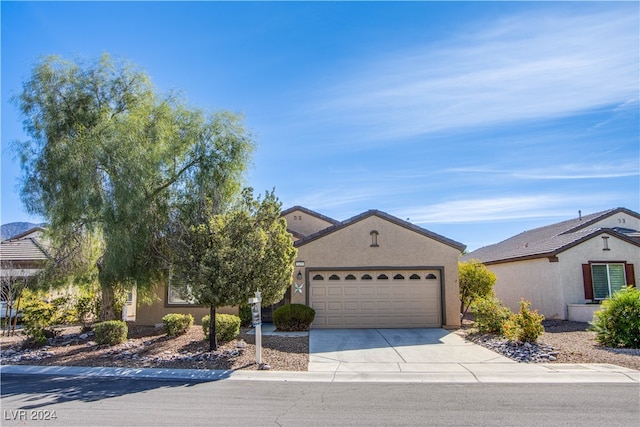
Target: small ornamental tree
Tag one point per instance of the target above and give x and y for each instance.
(476, 281)
(229, 256)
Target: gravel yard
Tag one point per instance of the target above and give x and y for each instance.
(147, 347)
(565, 342)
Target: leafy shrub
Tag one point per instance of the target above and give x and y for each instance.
(64, 311)
(227, 326)
(526, 326)
(87, 308)
(177, 324)
(293, 317)
(37, 316)
(490, 314)
(111, 332)
(617, 323)
(245, 315)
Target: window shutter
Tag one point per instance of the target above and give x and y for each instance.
(586, 279)
(631, 277)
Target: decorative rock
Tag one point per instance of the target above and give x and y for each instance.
(83, 336)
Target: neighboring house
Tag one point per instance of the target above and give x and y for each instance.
(22, 257)
(372, 270)
(566, 269)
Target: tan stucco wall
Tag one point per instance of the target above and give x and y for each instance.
(151, 314)
(397, 247)
(304, 223)
(551, 286)
(534, 280)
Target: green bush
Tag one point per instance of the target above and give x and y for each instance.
(490, 314)
(293, 317)
(617, 323)
(177, 324)
(227, 327)
(245, 315)
(526, 326)
(64, 311)
(38, 316)
(111, 332)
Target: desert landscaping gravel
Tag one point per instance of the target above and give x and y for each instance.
(149, 347)
(563, 342)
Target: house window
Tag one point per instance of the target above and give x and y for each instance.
(374, 238)
(607, 279)
(383, 277)
(334, 277)
(366, 277)
(431, 276)
(318, 277)
(173, 293)
(414, 277)
(350, 277)
(398, 277)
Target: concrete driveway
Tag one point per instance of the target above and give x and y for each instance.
(395, 350)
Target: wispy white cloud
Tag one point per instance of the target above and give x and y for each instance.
(546, 64)
(625, 168)
(503, 208)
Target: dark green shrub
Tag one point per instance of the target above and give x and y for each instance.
(617, 323)
(227, 327)
(489, 314)
(245, 315)
(293, 317)
(111, 332)
(526, 326)
(177, 324)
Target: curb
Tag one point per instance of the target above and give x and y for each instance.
(559, 374)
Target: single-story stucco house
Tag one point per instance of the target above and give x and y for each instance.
(566, 269)
(370, 271)
(22, 257)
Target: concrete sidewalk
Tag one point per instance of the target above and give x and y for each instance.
(440, 373)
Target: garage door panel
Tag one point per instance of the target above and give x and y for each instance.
(334, 306)
(387, 303)
(352, 305)
(367, 291)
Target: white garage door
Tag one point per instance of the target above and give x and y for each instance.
(375, 299)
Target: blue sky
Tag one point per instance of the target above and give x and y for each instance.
(474, 120)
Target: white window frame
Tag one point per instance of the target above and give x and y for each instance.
(173, 296)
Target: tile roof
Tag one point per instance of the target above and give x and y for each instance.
(310, 212)
(549, 240)
(386, 216)
(28, 249)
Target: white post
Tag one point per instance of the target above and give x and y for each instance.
(256, 317)
(259, 330)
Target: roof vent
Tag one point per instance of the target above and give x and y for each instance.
(580, 215)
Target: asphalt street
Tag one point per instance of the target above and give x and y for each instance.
(40, 400)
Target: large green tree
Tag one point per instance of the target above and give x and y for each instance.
(226, 258)
(476, 281)
(109, 158)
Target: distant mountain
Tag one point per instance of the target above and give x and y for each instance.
(15, 228)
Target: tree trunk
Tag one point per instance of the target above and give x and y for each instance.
(107, 308)
(213, 342)
(15, 319)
